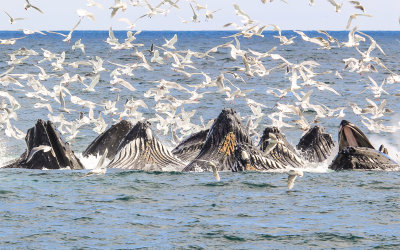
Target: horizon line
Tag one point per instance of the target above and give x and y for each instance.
(197, 30)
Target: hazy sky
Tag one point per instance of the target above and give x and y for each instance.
(61, 15)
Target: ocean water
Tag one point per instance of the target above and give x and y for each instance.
(130, 209)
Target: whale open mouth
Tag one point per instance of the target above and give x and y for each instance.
(59, 156)
(351, 135)
(351, 139)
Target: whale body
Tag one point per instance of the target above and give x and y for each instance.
(59, 156)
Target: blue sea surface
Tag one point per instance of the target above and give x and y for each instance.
(62, 209)
(131, 209)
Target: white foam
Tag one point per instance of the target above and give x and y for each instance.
(91, 161)
(392, 150)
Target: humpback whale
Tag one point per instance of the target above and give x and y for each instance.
(316, 145)
(189, 148)
(356, 152)
(109, 139)
(141, 150)
(275, 146)
(46, 149)
(250, 158)
(219, 146)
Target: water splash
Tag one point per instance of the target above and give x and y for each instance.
(91, 161)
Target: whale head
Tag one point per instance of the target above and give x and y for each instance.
(351, 135)
(316, 145)
(226, 132)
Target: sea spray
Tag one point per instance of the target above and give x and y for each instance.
(91, 161)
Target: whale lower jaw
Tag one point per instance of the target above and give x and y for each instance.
(188, 149)
(250, 158)
(274, 146)
(109, 139)
(220, 152)
(284, 156)
(149, 155)
(362, 158)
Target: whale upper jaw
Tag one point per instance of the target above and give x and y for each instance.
(351, 135)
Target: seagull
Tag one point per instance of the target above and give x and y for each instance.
(352, 41)
(195, 16)
(10, 41)
(94, 82)
(69, 36)
(79, 45)
(170, 44)
(122, 82)
(43, 105)
(34, 150)
(330, 38)
(284, 40)
(293, 173)
(338, 75)
(272, 142)
(118, 5)
(13, 102)
(157, 58)
(131, 25)
(210, 14)
(154, 10)
(337, 6)
(358, 5)
(354, 16)
(317, 40)
(30, 32)
(92, 3)
(99, 169)
(375, 88)
(12, 20)
(29, 5)
(241, 13)
(84, 13)
(62, 102)
(214, 169)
